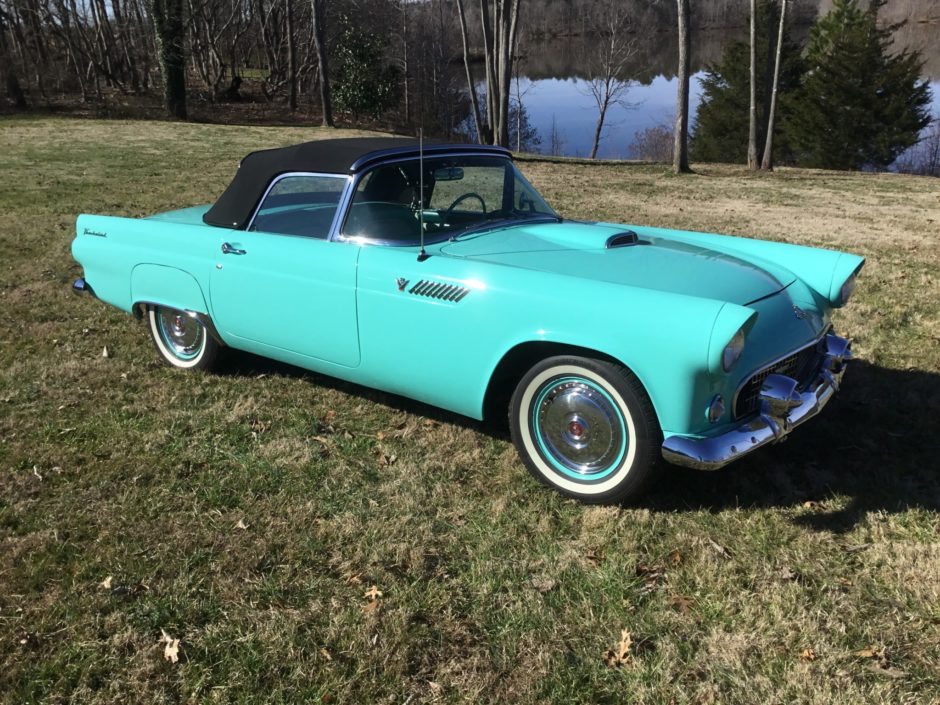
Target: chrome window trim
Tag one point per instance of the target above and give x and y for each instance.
(287, 175)
(339, 236)
(795, 351)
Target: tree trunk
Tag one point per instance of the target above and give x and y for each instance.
(768, 163)
(291, 56)
(319, 41)
(601, 114)
(14, 90)
(471, 86)
(170, 33)
(752, 120)
(680, 152)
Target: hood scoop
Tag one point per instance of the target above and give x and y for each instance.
(624, 239)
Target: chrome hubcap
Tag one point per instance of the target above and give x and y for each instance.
(580, 428)
(181, 333)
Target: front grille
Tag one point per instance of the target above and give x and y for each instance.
(801, 366)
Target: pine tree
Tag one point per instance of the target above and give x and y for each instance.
(721, 123)
(860, 105)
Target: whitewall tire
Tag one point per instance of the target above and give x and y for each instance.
(587, 428)
(181, 339)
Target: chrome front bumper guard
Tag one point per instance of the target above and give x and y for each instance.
(782, 408)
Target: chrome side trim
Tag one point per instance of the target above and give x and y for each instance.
(289, 174)
(783, 408)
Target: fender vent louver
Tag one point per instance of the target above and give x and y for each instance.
(624, 239)
(439, 290)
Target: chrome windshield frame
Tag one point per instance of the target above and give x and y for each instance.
(346, 203)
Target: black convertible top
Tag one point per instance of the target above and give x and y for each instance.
(338, 156)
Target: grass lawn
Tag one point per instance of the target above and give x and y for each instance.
(248, 514)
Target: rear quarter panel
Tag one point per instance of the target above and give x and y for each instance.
(127, 260)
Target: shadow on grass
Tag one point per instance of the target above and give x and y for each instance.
(877, 443)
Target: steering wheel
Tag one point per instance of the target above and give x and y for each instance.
(461, 199)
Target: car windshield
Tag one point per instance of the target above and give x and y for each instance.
(461, 194)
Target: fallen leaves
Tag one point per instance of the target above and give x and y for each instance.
(652, 576)
(373, 595)
(871, 652)
(242, 525)
(808, 654)
(171, 647)
(106, 583)
(681, 604)
(621, 654)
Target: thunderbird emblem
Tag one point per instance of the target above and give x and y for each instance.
(799, 313)
(402, 283)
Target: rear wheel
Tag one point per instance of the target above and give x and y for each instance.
(181, 339)
(587, 428)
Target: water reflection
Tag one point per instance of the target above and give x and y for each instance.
(553, 93)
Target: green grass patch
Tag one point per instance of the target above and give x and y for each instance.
(247, 514)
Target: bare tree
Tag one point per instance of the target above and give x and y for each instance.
(319, 40)
(499, 21)
(680, 152)
(767, 162)
(752, 161)
(170, 29)
(607, 63)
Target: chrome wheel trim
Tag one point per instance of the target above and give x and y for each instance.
(181, 333)
(530, 444)
(578, 428)
(181, 342)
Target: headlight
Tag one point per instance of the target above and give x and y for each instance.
(732, 352)
(845, 293)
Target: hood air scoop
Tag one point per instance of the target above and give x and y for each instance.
(624, 239)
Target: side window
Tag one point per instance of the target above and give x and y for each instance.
(300, 205)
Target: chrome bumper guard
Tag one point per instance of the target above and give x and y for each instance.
(782, 408)
(80, 286)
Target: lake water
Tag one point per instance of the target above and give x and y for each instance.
(554, 91)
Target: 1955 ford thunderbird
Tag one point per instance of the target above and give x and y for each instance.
(442, 275)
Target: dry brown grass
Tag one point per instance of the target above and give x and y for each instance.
(494, 589)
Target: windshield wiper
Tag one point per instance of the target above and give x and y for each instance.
(508, 220)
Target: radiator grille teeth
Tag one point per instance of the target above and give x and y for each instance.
(439, 290)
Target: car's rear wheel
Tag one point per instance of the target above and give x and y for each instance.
(587, 428)
(181, 338)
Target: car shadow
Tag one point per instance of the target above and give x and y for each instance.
(876, 447)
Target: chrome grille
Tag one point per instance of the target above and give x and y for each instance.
(439, 290)
(801, 366)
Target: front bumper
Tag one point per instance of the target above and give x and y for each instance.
(782, 408)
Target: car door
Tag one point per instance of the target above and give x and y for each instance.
(281, 283)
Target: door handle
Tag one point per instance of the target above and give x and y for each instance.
(227, 249)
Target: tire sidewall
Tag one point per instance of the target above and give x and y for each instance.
(633, 469)
(200, 361)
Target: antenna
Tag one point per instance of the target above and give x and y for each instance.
(421, 255)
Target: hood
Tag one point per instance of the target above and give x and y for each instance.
(579, 249)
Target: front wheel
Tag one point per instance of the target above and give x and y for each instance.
(587, 428)
(181, 339)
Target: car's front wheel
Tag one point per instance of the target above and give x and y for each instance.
(181, 339)
(587, 428)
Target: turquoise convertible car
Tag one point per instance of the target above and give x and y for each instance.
(439, 273)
